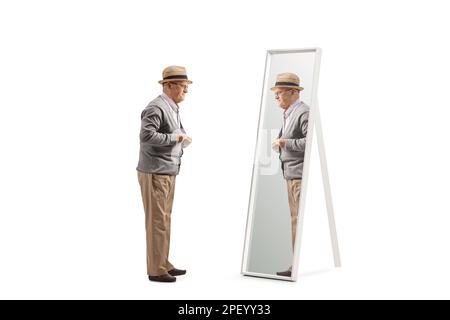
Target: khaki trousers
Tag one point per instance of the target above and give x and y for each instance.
(294, 187)
(157, 196)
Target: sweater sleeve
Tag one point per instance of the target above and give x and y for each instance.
(151, 120)
(299, 145)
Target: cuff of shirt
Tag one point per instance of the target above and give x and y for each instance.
(288, 145)
(173, 138)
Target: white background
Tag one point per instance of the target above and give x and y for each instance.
(74, 77)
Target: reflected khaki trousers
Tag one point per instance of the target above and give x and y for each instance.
(294, 187)
(157, 196)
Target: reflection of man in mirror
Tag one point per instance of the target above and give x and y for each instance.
(162, 139)
(291, 142)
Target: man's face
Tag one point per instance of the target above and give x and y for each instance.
(177, 90)
(284, 97)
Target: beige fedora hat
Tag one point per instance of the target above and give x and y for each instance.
(287, 80)
(174, 73)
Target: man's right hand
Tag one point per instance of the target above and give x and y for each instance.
(182, 138)
(276, 146)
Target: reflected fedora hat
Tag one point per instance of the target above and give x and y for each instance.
(174, 73)
(287, 80)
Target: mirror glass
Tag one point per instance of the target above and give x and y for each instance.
(290, 83)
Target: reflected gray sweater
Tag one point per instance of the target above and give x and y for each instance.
(159, 152)
(293, 154)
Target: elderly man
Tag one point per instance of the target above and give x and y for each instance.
(291, 142)
(162, 139)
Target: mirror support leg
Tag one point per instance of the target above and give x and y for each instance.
(326, 186)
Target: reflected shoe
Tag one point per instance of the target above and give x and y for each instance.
(284, 273)
(162, 278)
(176, 272)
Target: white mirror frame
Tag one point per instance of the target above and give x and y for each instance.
(314, 119)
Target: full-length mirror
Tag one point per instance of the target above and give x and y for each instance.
(273, 224)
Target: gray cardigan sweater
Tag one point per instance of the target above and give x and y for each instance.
(159, 152)
(293, 154)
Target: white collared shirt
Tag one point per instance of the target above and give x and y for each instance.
(173, 108)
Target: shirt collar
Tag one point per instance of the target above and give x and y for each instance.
(291, 108)
(171, 103)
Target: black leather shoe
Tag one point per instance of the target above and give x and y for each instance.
(284, 273)
(162, 278)
(176, 272)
